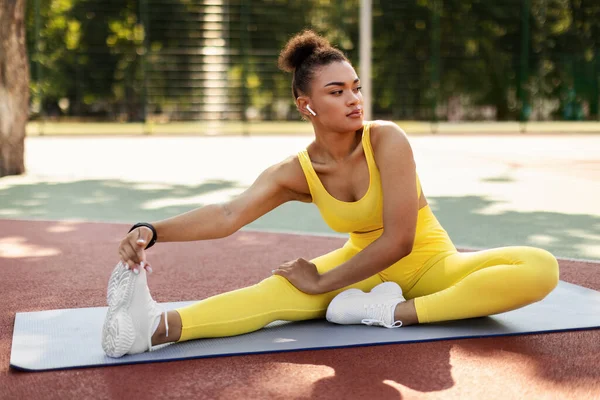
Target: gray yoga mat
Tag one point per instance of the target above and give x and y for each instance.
(70, 338)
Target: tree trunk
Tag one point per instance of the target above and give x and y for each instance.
(14, 87)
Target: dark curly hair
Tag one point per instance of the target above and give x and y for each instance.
(304, 53)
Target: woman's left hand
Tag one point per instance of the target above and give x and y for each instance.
(302, 274)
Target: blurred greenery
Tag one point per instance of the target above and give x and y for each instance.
(129, 60)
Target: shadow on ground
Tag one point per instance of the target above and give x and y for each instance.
(464, 217)
(105, 200)
(565, 235)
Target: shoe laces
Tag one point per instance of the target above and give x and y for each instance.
(378, 314)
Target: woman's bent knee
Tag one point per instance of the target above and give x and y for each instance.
(545, 269)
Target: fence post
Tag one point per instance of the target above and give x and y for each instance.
(435, 61)
(245, 46)
(143, 10)
(597, 92)
(540, 93)
(366, 37)
(524, 62)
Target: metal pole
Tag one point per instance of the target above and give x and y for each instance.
(524, 70)
(435, 60)
(144, 100)
(245, 47)
(543, 8)
(597, 93)
(366, 36)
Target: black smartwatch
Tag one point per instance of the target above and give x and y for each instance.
(147, 225)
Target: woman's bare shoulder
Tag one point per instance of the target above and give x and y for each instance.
(383, 132)
(290, 175)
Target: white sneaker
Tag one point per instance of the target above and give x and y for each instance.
(132, 313)
(353, 306)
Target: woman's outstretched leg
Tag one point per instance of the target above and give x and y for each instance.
(242, 311)
(251, 308)
(468, 285)
(135, 322)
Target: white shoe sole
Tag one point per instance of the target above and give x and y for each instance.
(118, 332)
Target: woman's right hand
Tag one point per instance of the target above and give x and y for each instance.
(132, 249)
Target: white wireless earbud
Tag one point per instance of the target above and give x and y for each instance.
(310, 110)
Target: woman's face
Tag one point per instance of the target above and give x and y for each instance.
(336, 98)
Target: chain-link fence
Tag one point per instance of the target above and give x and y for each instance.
(203, 60)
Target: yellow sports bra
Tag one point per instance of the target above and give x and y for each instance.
(363, 215)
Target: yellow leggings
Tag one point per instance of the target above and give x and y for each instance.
(445, 284)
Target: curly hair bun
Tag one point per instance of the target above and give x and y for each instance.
(299, 48)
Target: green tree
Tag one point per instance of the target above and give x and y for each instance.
(111, 58)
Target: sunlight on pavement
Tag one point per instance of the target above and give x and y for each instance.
(542, 240)
(10, 212)
(589, 251)
(62, 227)
(217, 196)
(17, 247)
(486, 190)
(151, 186)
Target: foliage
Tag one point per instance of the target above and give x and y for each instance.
(121, 59)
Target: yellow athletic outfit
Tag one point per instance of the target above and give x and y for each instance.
(445, 284)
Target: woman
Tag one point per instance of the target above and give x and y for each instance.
(399, 267)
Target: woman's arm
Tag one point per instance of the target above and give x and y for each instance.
(276, 185)
(395, 161)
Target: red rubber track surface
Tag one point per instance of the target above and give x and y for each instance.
(54, 265)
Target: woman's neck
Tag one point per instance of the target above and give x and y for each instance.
(335, 146)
